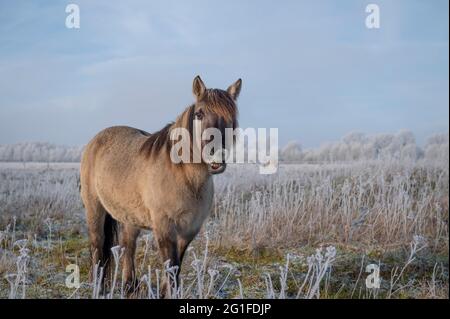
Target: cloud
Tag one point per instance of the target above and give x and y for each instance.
(310, 68)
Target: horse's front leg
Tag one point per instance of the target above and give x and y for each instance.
(182, 244)
(167, 244)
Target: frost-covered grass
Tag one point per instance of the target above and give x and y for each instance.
(308, 231)
(365, 203)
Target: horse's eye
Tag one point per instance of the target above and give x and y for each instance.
(198, 115)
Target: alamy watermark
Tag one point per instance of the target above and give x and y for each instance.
(73, 278)
(373, 19)
(373, 279)
(73, 17)
(213, 146)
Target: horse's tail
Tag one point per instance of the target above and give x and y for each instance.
(110, 229)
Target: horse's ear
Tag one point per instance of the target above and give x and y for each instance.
(198, 87)
(234, 89)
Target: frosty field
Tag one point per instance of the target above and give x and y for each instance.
(308, 231)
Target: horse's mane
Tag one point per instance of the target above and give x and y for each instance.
(156, 141)
(215, 101)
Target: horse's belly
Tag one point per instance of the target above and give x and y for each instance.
(126, 209)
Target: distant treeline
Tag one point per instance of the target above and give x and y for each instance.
(39, 152)
(352, 147)
(358, 146)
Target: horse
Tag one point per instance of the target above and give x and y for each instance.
(129, 182)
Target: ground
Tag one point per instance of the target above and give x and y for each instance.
(308, 231)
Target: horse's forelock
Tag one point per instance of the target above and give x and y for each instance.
(220, 103)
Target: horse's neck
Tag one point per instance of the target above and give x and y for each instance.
(196, 176)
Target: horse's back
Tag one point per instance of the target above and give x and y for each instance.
(112, 151)
(110, 136)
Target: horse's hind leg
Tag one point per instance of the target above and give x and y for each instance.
(95, 217)
(128, 237)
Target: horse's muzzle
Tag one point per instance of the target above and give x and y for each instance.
(216, 168)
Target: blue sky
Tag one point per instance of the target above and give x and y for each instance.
(310, 68)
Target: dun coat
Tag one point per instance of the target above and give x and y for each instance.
(129, 182)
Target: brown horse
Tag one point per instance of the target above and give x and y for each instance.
(129, 180)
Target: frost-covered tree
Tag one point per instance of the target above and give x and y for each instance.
(291, 152)
(354, 138)
(437, 148)
(39, 152)
(357, 146)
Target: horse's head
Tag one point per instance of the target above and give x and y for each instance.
(214, 111)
